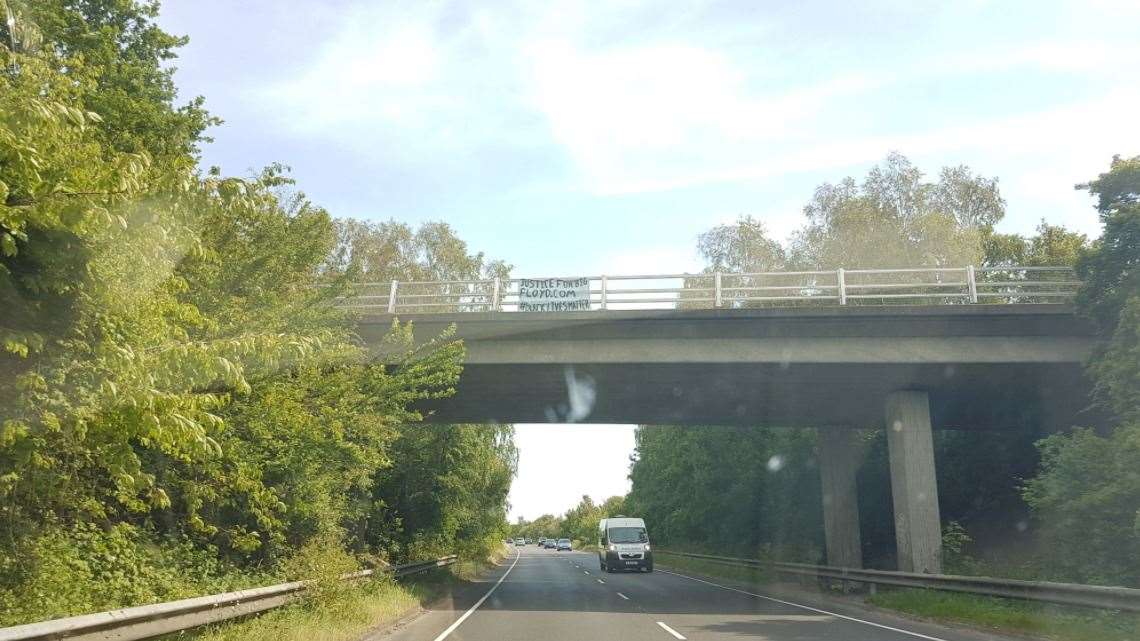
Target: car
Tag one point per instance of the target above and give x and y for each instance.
(564, 544)
(520, 541)
(540, 542)
(549, 544)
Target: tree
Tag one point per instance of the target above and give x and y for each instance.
(740, 247)
(118, 61)
(894, 219)
(184, 407)
(1089, 478)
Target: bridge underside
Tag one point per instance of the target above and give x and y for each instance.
(982, 366)
(963, 396)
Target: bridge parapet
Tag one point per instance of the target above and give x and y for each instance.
(728, 290)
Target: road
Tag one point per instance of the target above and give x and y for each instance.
(543, 595)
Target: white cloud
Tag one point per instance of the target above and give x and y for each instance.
(655, 110)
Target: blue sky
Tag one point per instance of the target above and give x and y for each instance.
(587, 138)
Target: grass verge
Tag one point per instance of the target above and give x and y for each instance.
(711, 568)
(1042, 620)
(346, 615)
(1011, 616)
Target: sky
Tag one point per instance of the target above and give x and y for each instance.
(576, 138)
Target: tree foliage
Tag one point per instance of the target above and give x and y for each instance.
(180, 390)
(896, 219)
(1088, 478)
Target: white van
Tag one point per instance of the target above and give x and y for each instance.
(623, 544)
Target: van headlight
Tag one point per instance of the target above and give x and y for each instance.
(646, 547)
(613, 548)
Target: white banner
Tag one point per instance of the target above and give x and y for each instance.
(554, 294)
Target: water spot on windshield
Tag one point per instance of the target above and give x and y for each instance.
(581, 394)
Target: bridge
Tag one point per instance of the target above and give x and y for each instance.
(803, 349)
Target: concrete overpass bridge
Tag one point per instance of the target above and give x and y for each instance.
(838, 367)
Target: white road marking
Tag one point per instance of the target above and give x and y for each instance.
(585, 571)
(808, 607)
(451, 628)
(623, 596)
(600, 581)
(670, 630)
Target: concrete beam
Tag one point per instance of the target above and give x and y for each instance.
(839, 456)
(914, 488)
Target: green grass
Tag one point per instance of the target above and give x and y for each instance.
(1010, 615)
(1040, 620)
(346, 615)
(710, 568)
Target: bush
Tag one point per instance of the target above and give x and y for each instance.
(87, 568)
(1087, 501)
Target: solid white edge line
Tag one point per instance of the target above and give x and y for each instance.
(451, 628)
(808, 607)
(671, 630)
(623, 596)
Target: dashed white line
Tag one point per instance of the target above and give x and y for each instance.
(600, 581)
(806, 607)
(451, 628)
(670, 630)
(623, 596)
(585, 571)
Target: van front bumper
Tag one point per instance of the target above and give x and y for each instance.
(617, 561)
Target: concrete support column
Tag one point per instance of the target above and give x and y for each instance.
(839, 455)
(918, 530)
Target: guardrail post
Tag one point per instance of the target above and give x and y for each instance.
(972, 283)
(841, 283)
(716, 285)
(392, 297)
(603, 306)
(495, 295)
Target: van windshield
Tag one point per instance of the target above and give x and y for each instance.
(628, 535)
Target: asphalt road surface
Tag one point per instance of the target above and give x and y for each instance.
(543, 595)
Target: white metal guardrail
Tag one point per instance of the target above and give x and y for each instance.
(919, 285)
(147, 621)
(1091, 596)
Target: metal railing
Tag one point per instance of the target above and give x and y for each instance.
(1091, 596)
(923, 285)
(147, 621)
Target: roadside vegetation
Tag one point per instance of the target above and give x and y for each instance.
(579, 523)
(183, 408)
(1009, 615)
(340, 611)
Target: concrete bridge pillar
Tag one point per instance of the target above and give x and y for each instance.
(918, 530)
(839, 455)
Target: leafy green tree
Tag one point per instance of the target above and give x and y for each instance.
(1111, 294)
(181, 391)
(746, 490)
(895, 219)
(117, 59)
(1086, 496)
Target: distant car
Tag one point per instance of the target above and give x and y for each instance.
(540, 542)
(550, 544)
(520, 541)
(564, 544)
